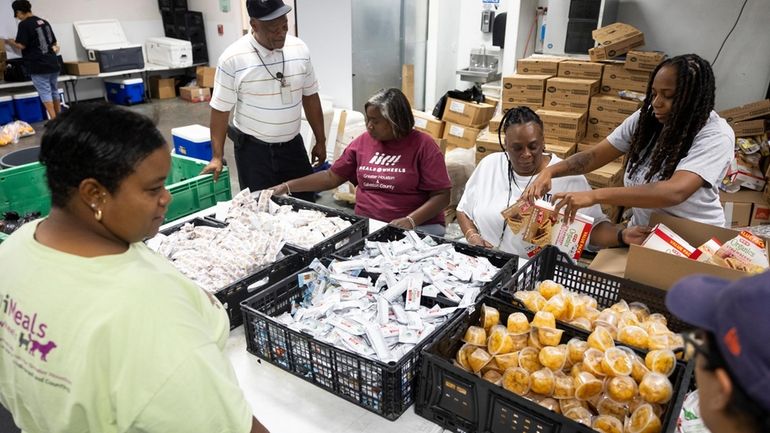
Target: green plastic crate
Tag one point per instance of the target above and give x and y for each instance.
(3, 236)
(24, 189)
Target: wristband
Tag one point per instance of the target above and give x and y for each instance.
(621, 242)
(288, 190)
(468, 231)
(411, 221)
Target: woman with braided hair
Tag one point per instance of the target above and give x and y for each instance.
(500, 179)
(678, 151)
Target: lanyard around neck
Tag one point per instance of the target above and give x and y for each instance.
(279, 76)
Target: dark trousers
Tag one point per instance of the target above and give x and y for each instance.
(262, 165)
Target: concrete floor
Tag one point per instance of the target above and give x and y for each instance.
(168, 114)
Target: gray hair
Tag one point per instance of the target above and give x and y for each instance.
(394, 107)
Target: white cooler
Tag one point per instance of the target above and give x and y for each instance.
(174, 53)
(106, 43)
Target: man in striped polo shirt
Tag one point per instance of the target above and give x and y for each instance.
(267, 77)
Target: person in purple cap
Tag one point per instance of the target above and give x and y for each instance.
(732, 366)
(266, 79)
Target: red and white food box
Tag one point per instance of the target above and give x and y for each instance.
(706, 251)
(665, 240)
(745, 252)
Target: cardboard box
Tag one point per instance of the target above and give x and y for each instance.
(204, 75)
(746, 112)
(616, 78)
(494, 124)
(574, 86)
(460, 135)
(745, 208)
(746, 175)
(606, 108)
(583, 146)
(566, 102)
(643, 60)
(669, 269)
(577, 69)
(486, 144)
(561, 149)
(750, 128)
(428, 124)
(507, 105)
(598, 130)
(195, 94)
(468, 113)
(81, 68)
(162, 88)
(538, 66)
(614, 40)
(563, 126)
(608, 176)
(493, 101)
(533, 82)
(441, 143)
(515, 100)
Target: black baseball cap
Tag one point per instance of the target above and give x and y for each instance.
(267, 10)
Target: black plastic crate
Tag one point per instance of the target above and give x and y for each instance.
(358, 229)
(172, 5)
(463, 402)
(200, 53)
(232, 295)
(387, 389)
(508, 263)
(552, 264)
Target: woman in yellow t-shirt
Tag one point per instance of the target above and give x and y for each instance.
(99, 333)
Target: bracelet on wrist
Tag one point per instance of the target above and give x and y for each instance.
(411, 221)
(468, 231)
(621, 242)
(288, 190)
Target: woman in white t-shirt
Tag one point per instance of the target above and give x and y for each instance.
(500, 179)
(678, 151)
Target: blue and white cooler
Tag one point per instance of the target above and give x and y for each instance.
(125, 92)
(6, 109)
(28, 107)
(193, 141)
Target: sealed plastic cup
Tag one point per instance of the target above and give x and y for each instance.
(553, 357)
(499, 340)
(534, 340)
(643, 420)
(608, 317)
(587, 386)
(622, 389)
(638, 369)
(641, 310)
(592, 362)
(493, 376)
(507, 360)
(570, 403)
(620, 306)
(491, 365)
(550, 404)
(601, 339)
(657, 317)
(607, 406)
(661, 361)
(580, 415)
(478, 359)
(476, 336)
(607, 424)
(519, 341)
(462, 356)
(528, 359)
(616, 362)
(534, 301)
(544, 319)
(591, 314)
(656, 388)
(517, 323)
(549, 336)
(655, 328)
(517, 380)
(576, 348)
(564, 386)
(489, 317)
(557, 306)
(543, 382)
(549, 288)
(634, 336)
(582, 323)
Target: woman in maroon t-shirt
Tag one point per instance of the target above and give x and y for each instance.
(399, 172)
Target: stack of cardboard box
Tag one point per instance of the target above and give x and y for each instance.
(747, 203)
(464, 122)
(614, 40)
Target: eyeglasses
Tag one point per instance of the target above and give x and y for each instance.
(698, 341)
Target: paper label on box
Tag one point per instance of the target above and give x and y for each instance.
(420, 123)
(457, 131)
(664, 239)
(457, 107)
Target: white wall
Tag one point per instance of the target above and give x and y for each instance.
(692, 26)
(326, 27)
(231, 22)
(442, 48)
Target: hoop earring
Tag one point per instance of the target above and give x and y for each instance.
(98, 215)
